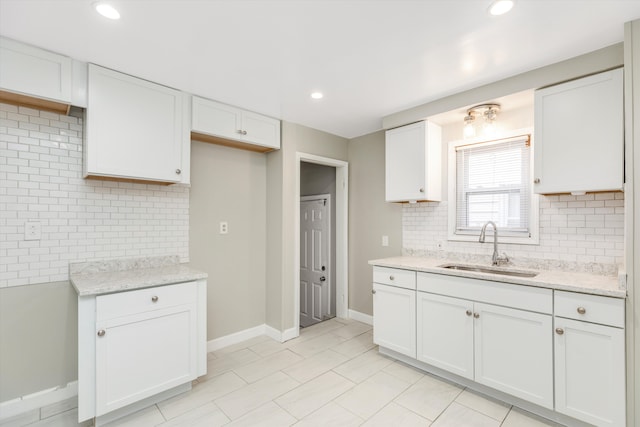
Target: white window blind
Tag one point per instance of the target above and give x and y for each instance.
(492, 184)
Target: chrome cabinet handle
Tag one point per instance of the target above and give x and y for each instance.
(582, 310)
(476, 315)
(559, 331)
(154, 298)
(178, 171)
(469, 313)
(101, 332)
(241, 132)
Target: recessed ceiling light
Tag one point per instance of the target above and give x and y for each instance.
(317, 95)
(106, 10)
(500, 7)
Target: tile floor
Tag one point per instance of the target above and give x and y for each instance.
(332, 375)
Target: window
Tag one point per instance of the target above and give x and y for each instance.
(491, 181)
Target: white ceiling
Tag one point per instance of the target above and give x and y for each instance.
(370, 58)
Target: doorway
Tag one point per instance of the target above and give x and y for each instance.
(317, 290)
(339, 273)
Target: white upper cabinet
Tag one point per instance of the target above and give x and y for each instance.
(227, 125)
(135, 129)
(34, 77)
(413, 163)
(579, 135)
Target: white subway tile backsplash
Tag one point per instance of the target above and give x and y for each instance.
(81, 220)
(576, 230)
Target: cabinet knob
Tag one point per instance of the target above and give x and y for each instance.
(101, 332)
(559, 331)
(178, 171)
(373, 291)
(476, 315)
(422, 190)
(582, 310)
(241, 132)
(536, 181)
(154, 298)
(392, 278)
(469, 313)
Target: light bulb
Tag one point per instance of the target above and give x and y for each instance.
(469, 130)
(500, 7)
(107, 10)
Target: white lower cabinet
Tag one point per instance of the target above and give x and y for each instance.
(590, 361)
(514, 352)
(136, 344)
(445, 333)
(394, 310)
(562, 351)
(143, 354)
(507, 349)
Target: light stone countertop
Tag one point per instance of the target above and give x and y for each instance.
(559, 280)
(103, 277)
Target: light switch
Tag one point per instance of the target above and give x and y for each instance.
(224, 227)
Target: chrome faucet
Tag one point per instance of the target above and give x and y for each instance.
(495, 259)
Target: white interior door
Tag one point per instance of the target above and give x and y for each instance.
(315, 289)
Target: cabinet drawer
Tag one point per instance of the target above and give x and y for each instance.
(395, 277)
(498, 293)
(143, 300)
(590, 308)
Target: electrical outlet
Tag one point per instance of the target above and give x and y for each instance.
(32, 230)
(224, 227)
(385, 240)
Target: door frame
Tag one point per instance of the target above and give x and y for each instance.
(342, 235)
(329, 264)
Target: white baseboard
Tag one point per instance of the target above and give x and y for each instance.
(361, 317)
(227, 340)
(37, 400)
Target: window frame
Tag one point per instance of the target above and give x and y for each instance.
(504, 236)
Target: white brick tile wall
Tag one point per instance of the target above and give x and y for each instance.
(586, 229)
(81, 220)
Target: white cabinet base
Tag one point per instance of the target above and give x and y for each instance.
(487, 391)
(145, 403)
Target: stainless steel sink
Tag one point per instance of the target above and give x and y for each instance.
(489, 270)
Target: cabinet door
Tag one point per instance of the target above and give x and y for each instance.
(33, 71)
(445, 333)
(213, 118)
(140, 355)
(134, 128)
(579, 135)
(261, 130)
(514, 353)
(394, 318)
(413, 163)
(590, 372)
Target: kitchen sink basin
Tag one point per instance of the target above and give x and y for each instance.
(490, 270)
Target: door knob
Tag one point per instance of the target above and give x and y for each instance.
(559, 331)
(322, 279)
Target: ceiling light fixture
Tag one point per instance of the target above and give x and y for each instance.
(489, 112)
(317, 95)
(106, 10)
(500, 7)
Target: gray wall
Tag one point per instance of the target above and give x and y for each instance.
(320, 179)
(281, 205)
(229, 185)
(38, 338)
(370, 217)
